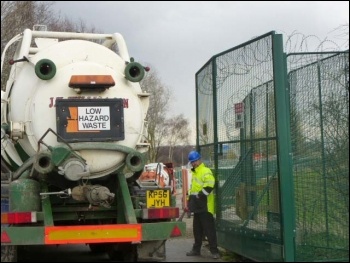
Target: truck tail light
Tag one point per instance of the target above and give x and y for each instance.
(18, 217)
(160, 213)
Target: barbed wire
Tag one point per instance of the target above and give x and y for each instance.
(245, 68)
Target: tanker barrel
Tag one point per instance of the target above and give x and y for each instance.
(24, 195)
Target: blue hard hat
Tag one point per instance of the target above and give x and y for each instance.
(193, 156)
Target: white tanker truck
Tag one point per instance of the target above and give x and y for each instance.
(73, 145)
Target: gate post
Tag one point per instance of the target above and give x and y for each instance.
(284, 148)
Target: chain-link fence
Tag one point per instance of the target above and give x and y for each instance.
(274, 128)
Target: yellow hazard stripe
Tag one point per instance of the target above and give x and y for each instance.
(93, 234)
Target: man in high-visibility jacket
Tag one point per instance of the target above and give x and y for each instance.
(201, 203)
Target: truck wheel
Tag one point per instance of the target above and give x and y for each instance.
(98, 248)
(124, 252)
(8, 253)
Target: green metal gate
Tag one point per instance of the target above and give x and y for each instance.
(274, 128)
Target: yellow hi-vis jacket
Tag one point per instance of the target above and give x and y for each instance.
(199, 199)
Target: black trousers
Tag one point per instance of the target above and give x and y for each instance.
(204, 224)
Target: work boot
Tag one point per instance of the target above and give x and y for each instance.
(215, 255)
(193, 253)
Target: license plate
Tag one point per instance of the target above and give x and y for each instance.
(158, 198)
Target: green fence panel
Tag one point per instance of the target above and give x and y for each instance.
(274, 128)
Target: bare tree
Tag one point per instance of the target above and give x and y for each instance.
(16, 16)
(19, 15)
(156, 116)
(162, 131)
(178, 133)
(342, 33)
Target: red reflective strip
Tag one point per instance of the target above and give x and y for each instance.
(93, 234)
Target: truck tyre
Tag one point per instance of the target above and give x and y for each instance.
(98, 248)
(8, 253)
(124, 252)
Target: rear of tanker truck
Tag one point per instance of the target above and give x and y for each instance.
(74, 146)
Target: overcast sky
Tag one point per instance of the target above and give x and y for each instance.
(177, 38)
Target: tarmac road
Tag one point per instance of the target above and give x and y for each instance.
(176, 248)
